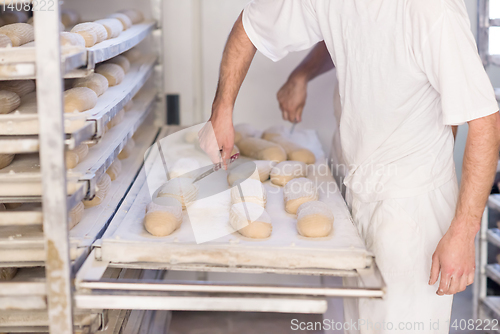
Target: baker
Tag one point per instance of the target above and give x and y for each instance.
(408, 71)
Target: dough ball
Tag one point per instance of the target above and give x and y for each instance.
(260, 149)
(103, 185)
(127, 149)
(297, 192)
(286, 171)
(314, 220)
(6, 159)
(75, 215)
(293, 151)
(181, 189)
(163, 220)
(250, 220)
(250, 191)
(12, 206)
(7, 273)
(115, 169)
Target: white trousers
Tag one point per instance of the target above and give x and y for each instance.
(403, 234)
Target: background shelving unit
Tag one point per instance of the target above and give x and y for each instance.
(35, 237)
(486, 301)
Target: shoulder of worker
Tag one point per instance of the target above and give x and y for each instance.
(429, 12)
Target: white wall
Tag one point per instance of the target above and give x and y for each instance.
(256, 103)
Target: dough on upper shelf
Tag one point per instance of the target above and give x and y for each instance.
(260, 149)
(297, 192)
(20, 87)
(72, 39)
(102, 189)
(249, 190)
(69, 17)
(127, 149)
(183, 166)
(286, 171)
(6, 159)
(124, 19)
(163, 219)
(113, 27)
(115, 169)
(19, 33)
(75, 156)
(12, 206)
(95, 81)
(181, 189)
(314, 219)
(121, 61)
(75, 215)
(79, 99)
(245, 170)
(134, 15)
(92, 32)
(4, 41)
(250, 220)
(9, 101)
(7, 273)
(293, 151)
(114, 73)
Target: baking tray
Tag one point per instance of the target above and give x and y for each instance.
(126, 240)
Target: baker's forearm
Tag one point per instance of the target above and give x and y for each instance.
(478, 171)
(236, 60)
(317, 62)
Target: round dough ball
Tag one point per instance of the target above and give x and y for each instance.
(181, 189)
(256, 225)
(314, 220)
(297, 192)
(163, 220)
(286, 171)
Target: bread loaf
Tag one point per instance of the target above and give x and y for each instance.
(114, 73)
(75, 156)
(115, 169)
(79, 99)
(12, 206)
(19, 33)
(9, 101)
(14, 17)
(92, 32)
(162, 220)
(69, 17)
(6, 159)
(121, 61)
(95, 81)
(297, 192)
(250, 220)
(246, 169)
(7, 273)
(181, 189)
(102, 189)
(113, 27)
(286, 171)
(75, 215)
(124, 20)
(293, 151)
(20, 87)
(249, 191)
(314, 219)
(72, 39)
(133, 14)
(4, 41)
(260, 149)
(127, 149)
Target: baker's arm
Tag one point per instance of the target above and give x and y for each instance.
(292, 96)
(236, 59)
(454, 256)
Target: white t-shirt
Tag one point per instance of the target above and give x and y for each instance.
(407, 70)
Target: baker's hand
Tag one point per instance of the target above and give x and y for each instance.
(455, 259)
(292, 99)
(217, 138)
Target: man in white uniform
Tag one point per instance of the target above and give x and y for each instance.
(408, 70)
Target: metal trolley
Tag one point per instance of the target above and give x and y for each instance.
(35, 237)
(487, 307)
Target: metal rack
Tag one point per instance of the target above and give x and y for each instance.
(485, 306)
(35, 237)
